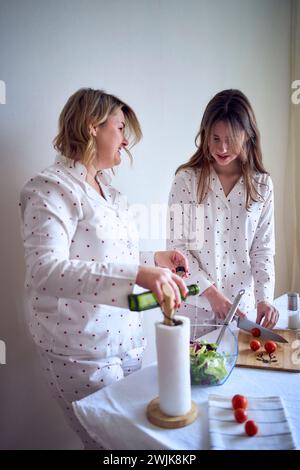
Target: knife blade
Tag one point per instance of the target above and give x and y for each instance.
(265, 333)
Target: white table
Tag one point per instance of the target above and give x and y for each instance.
(115, 416)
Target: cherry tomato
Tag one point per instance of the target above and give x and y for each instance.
(239, 401)
(255, 332)
(255, 345)
(251, 428)
(270, 347)
(240, 415)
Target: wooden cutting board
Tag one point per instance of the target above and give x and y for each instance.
(285, 358)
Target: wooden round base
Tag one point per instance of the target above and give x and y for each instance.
(157, 417)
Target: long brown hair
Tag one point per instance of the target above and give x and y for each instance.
(233, 108)
(90, 107)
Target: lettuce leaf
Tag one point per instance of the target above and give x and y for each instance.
(208, 367)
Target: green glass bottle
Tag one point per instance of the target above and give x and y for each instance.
(147, 300)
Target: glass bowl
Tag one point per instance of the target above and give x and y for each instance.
(212, 364)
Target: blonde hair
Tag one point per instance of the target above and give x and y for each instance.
(233, 108)
(85, 108)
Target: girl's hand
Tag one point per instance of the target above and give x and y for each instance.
(219, 303)
(154, 278)
(171, 260)
(267, 312)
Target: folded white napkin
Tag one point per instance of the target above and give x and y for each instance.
(268, 413)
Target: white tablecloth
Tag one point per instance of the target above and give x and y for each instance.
(116, 415)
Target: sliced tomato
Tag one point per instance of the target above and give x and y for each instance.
(239, 401)
(255, 345)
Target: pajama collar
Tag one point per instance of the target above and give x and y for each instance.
(79, 171)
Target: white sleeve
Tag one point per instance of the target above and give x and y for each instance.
(147, 258)
(263, 250)
(49, 222)
(182, 229)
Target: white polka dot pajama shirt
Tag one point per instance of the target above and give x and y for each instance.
(238, 245)
(82, 257)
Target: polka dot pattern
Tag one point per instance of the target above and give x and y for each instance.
(82, 257)
(238, 245)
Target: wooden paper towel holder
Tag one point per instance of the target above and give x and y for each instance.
(154, 413)
(157, 417)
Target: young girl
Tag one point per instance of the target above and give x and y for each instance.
(227, 176)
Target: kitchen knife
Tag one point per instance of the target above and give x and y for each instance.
(265, 333)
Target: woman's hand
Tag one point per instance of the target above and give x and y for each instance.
(267, 312)
(219, 303)
(154, 278)
(171, 260)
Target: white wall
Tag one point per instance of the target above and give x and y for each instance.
(167, 58)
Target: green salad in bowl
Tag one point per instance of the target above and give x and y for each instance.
(212, 364)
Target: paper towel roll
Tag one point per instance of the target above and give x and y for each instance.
(173, 361)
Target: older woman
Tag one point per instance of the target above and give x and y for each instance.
(82, 256)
